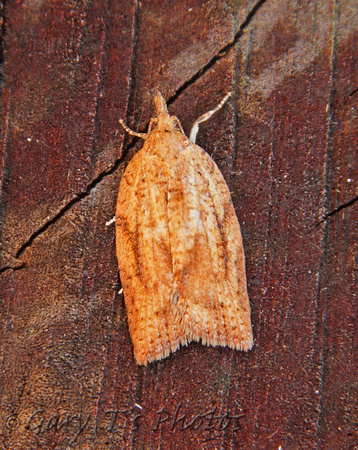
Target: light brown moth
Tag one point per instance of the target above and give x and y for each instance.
(179, 245)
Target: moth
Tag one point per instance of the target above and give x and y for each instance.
(179, 245)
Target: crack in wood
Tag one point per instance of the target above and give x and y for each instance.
(220, 54)
(80, 196)
(353, 92)
(77, 198)
(337, 210)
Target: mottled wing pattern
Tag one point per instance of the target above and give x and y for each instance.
(143, 248)
(180, 251)
(210, 296)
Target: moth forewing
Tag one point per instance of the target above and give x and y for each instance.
(179, 247)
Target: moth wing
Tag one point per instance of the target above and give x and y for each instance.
(143, 252)
(210, 300)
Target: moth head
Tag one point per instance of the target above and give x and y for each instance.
(160, 105)
(164, 121)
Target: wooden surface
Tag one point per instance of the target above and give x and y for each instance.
(287, 145)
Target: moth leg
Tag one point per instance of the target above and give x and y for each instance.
(131, 132)
(152, 122)
(176, 120)
(195, 128)
(109, 222)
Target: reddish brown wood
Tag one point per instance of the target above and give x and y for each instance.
(287, 146)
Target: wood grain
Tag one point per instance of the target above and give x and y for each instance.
(287, 150)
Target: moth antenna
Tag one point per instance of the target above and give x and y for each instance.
(195, 128)
(131, 132)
